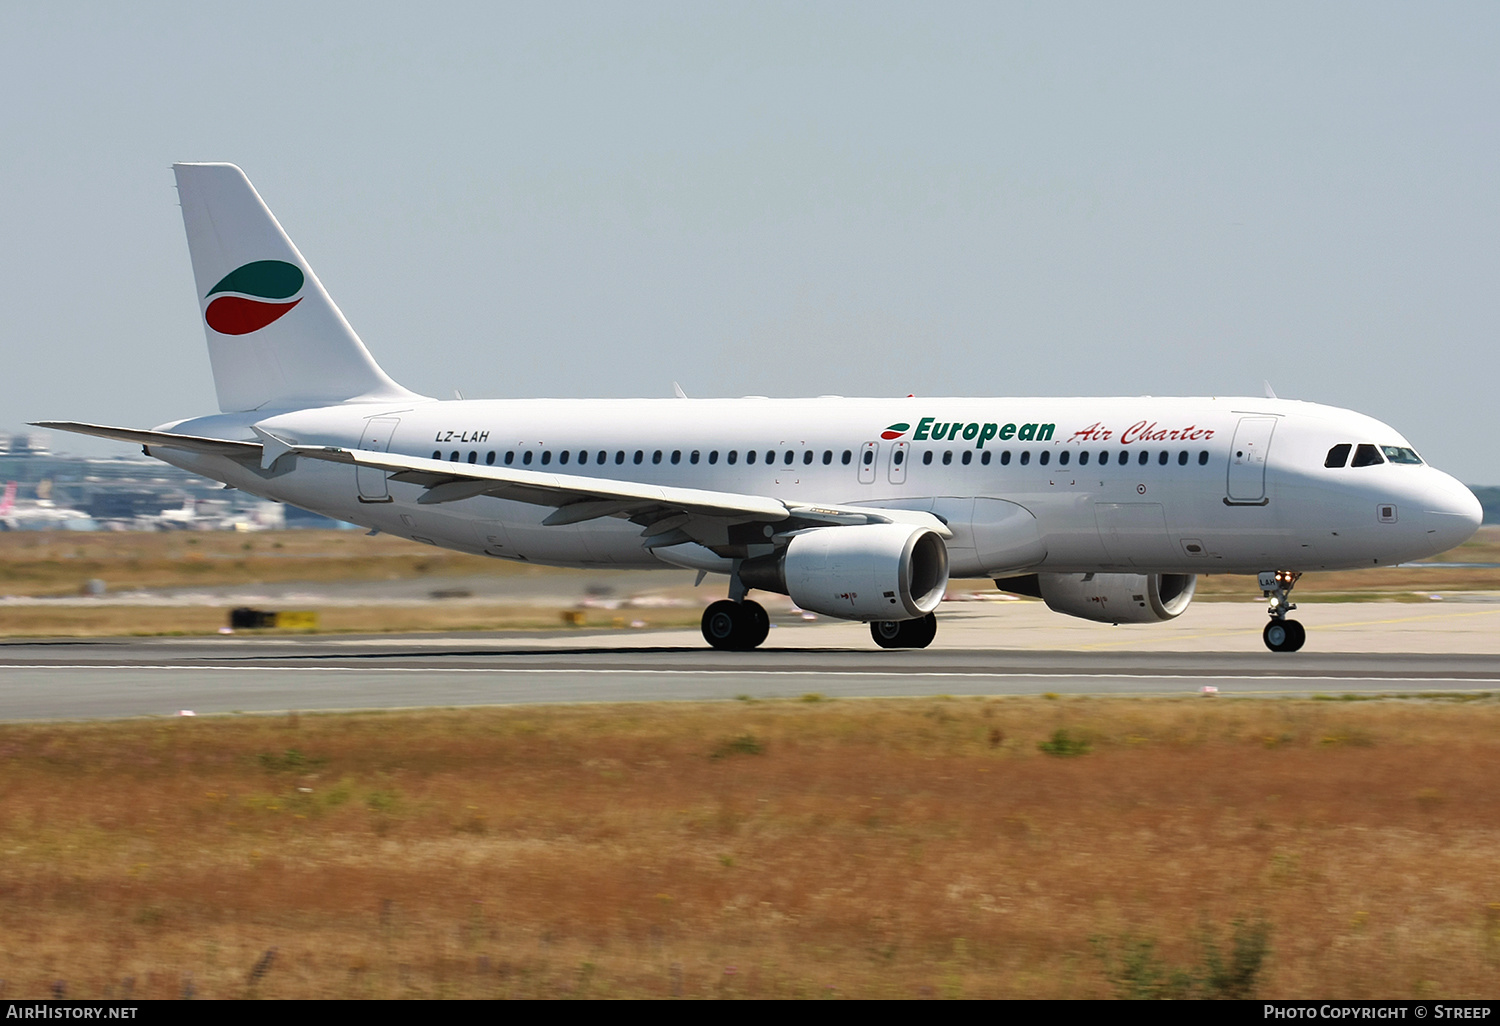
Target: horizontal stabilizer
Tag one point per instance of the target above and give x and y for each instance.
(165, 439)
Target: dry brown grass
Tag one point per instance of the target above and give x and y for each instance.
(61, 562)
(874, 848)
(125, 621)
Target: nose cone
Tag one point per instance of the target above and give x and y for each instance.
(1452, 512)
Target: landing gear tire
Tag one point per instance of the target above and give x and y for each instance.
(904, 633)
(735, 626)
(757, 623)
(1284, 635)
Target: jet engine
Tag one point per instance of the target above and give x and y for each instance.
(1109, 598)
(857, 572)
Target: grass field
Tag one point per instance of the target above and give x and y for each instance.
(1026, 847)
(61, 564)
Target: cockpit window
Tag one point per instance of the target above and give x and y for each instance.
(1399, 454)
(1338, 455)
(1366, 456)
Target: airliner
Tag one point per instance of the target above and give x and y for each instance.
(1104, 508)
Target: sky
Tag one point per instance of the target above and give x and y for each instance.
(785, 199)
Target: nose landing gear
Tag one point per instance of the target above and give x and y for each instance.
(1281, 634)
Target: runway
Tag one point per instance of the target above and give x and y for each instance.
(112, 678)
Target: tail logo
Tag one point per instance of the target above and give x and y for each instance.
(260, 285)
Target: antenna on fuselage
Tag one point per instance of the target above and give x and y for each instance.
(1270, 392)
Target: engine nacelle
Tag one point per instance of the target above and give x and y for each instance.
(857, 572)
(1109, 598)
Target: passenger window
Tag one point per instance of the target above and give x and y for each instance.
(693, 457)
(510, 457)
(847, 457)
(1104, 458)
(1005, 458)
(603, 456)
(1398, 454)
(619, 457)
(562, 457)
(827, 457)
(968, 456)
(1083, 458)
(1182, 458)
(437, 454)
(947, 457)
(656, 456)
(869, 457)
(1202, 457)
(583, 456)
(676, 455)
(1366, 456)
(985, 459)
(927, 457)
(1025, 457)
(1045, 457)
(526, 457)
(787, 459)
(750, 456)
(1145, 458)
(1161, 458)
(898, 457)
(770, 455)
(546, 456)
(733, 455)
(639, 456)
(1064, 456)
(473, 456)
(713, 457)
(489, 459)
(453, 456)
(807, 458)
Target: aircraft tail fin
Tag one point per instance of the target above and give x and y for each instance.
(8, 503)
(275, 338)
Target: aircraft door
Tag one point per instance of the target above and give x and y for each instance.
(1247, 460)
(899, 452)
(377, 438)
(868, 453)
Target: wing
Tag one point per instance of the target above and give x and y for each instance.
(670, 515)
(726, 522)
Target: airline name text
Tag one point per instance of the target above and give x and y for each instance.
(1143, 431)
(930, 429)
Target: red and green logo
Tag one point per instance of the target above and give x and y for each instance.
(259, 289)
(895, 431)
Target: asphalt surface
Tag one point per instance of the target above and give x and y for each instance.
(109, 678)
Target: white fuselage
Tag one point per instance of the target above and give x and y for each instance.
(1175, 485)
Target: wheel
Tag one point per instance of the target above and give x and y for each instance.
(924, 630)
(904, 633)
(1284, 635)
(757, 624)
(723, 625)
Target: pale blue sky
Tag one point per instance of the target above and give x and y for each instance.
(782, 199)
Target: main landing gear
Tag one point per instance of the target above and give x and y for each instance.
(735, 626)
(1281, 634)
(905, 633)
